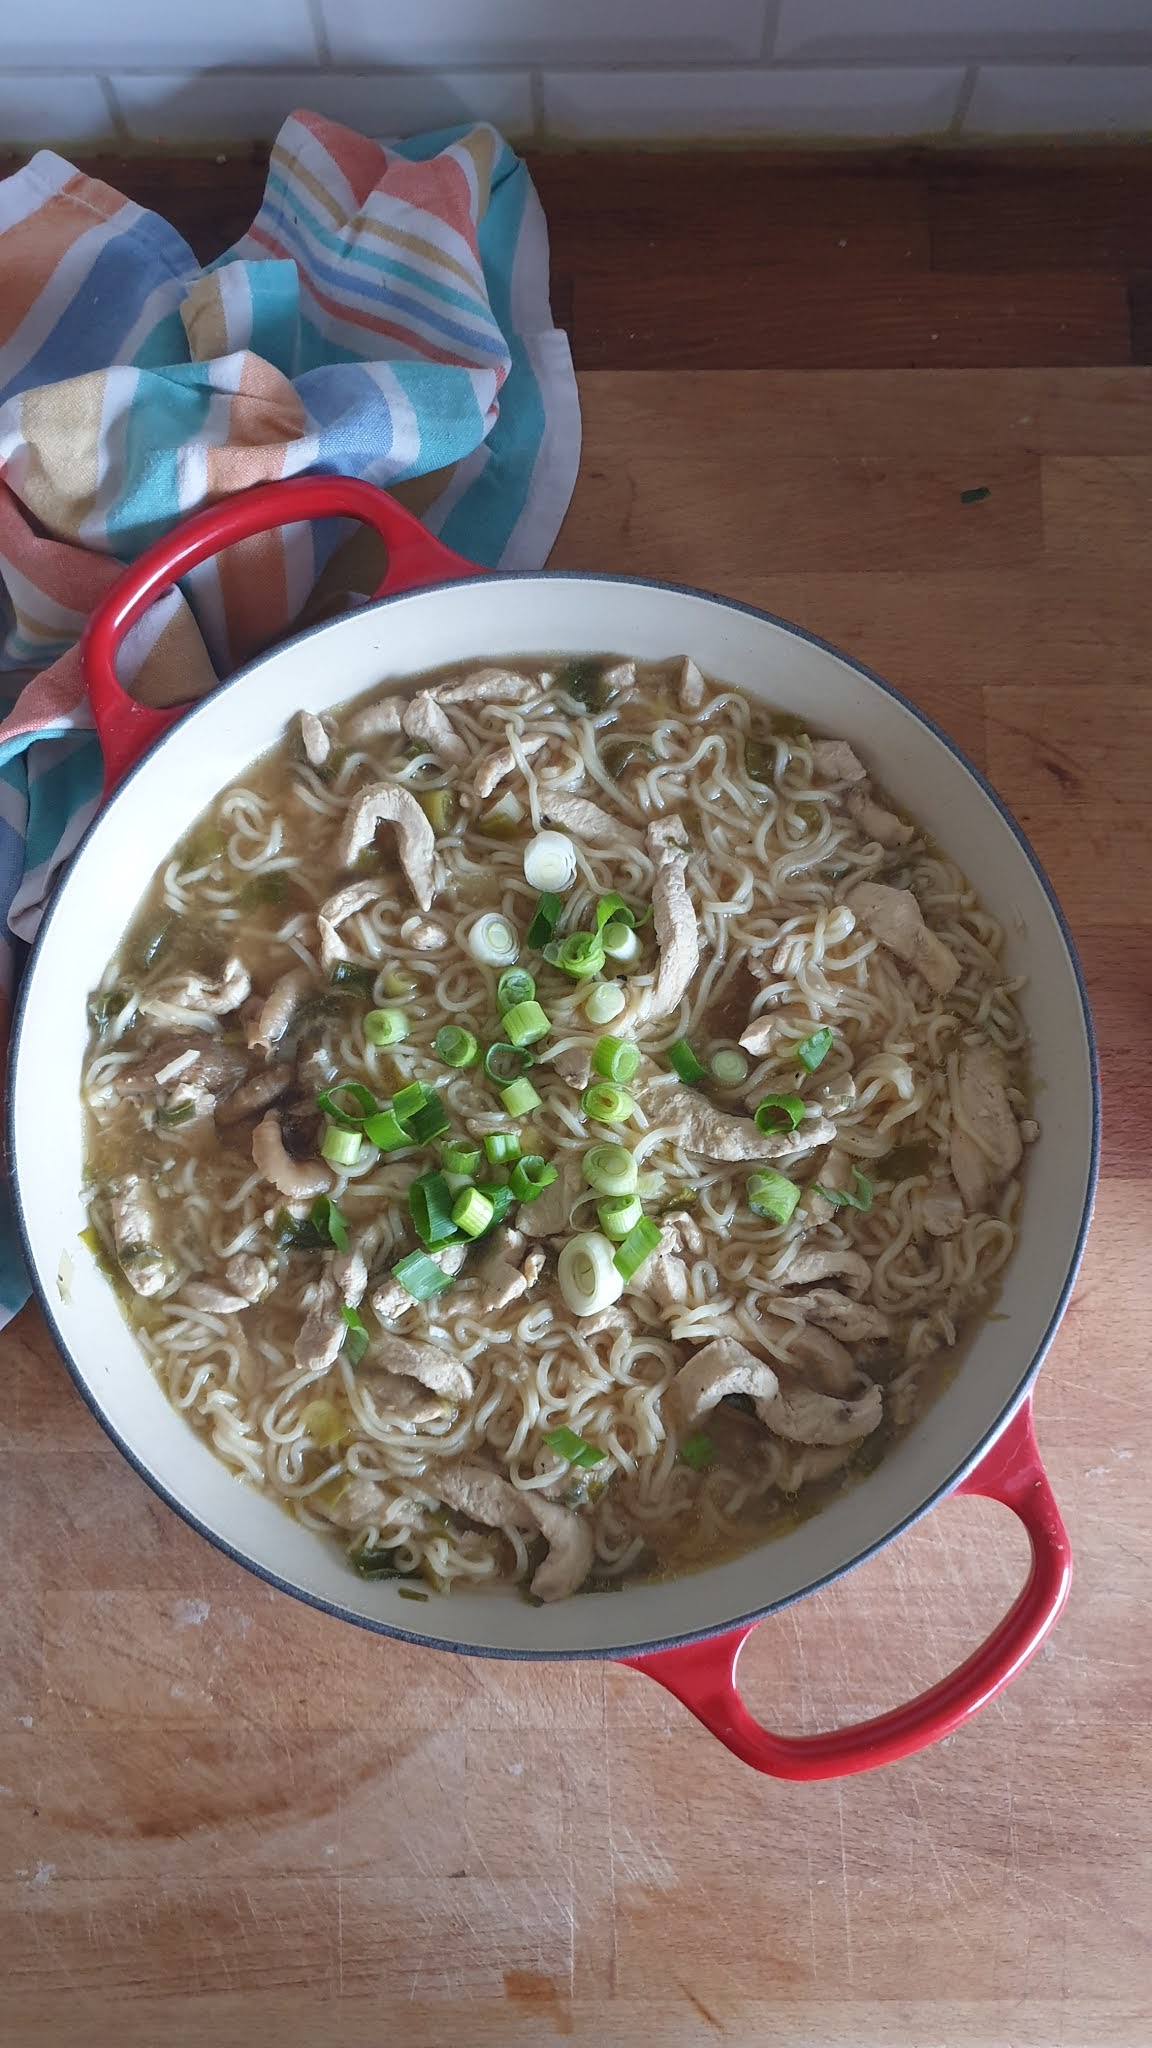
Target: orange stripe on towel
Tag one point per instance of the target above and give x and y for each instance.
(31, 249)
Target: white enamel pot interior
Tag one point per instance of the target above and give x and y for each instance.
(479, 620)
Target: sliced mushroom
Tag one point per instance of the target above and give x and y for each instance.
(255, 1094)
(877, 823)
(721, 1368)
(494, 768)
(273, 1016)
(690, 695)
(986, 1146)
(133, 1232)
(834, 761)
(212, 1300)
(677, 932)
(585, 820)
(314, 737)
(194, 1060)
(197, 992)
(385, 803)
(894, 917)
(347, 902)
(856, 1322)
(375, 721)
(806, 1417)
(424, 720)
(298, 1179)
(248, 1275)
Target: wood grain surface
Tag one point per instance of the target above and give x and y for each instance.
(227, 1819)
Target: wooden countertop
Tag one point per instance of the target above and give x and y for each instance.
(226, 1818)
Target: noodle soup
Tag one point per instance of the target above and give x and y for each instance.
(555, 1124)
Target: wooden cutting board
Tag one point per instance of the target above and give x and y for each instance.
(225, 1818)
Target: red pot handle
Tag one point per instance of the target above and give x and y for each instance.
(127, 729)
(703, 1675)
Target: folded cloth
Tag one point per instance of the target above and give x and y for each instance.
(386, 316)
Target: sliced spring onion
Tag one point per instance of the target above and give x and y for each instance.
(472, 1212)
(604, 1001)
(502, 820)
(386, 1132)
(519, 1098)
(525, 1023)
(605, 1103)
(772, 1195)
(398, 982)
(430, 1207)
(614, 910)
(456, 1181)
(778, 1113)
(377, 1564)
(502, 1147)
(811, 1051)
(347, 1104)
(493, 941)
(385, 1027)
(650, 1186)
(175, 1113)
(355, 1337)
(550, 862)
(340, 1147)
(730, 1067)
(616, 1058)
(297, 1233)
(501, 1198)
(620, 943)
(323, 1422)
(610, 1169)
(514, 986)
(576, 1449)
(430, 1121)
(420, 1276)
(581, 955)
(455, 1046)
(459, 1156)
(438, 806)
(618, 1215)
(545, 919)
(639, 1245)
(407, 1101)
(684, 1062)
(263, 889)
(505, 1063)
(587, 1273)
(530, 1176)
(348, 974)
(326, 1219)
(105, 1007)
(698, 1451)
(841, 1199)
(759, 761)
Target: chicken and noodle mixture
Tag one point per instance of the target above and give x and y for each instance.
(554, 1126)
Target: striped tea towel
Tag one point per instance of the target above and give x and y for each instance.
(386, 316)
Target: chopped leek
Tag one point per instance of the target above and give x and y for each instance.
(619, 1214)
(503, 819)
(620, 943)
(841, 1199)
(530, 1176)
(505, 1063)
(684, 1062)
(604, 1001)
(430, 1207)
(772, 1195)
(638, 1246)
(501, 1198)
(525, 1023)
(175, 1113)
(502, 1147)
(493, 941)
(420, 1276)
(355, 1336)
(581, 955)
(335, 1104)
(616, 1058)
(778, 1113)
(550, 862)
(377, 1564)
(610, 1169)
(545, 919)
(386, 1132)
(398, 982)
(385, 1027)
(514, 986)
(587, 1273)
(347, 974)
(811, 1051)
(730, 1067)
(520, 1098)
(323, 1422)
(576, 1449)
(340, 1147)
(430, 1120)
(327, 1221)
(455, 1046)
(614, 910)
(605, 1103)
(439, 807)
(457, 1155)
(472, 1212)
(698, 1451)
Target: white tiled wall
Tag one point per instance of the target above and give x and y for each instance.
(577, 70)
